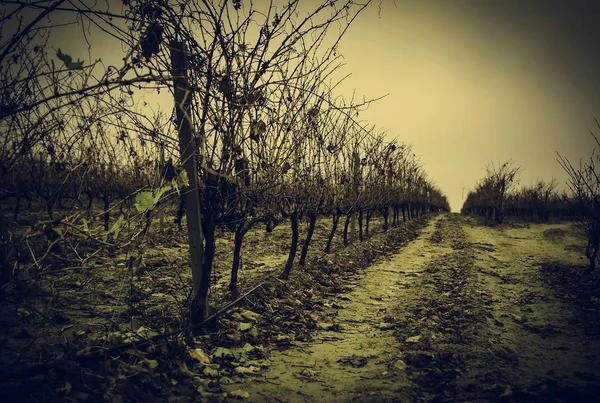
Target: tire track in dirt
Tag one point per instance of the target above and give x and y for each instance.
(354, 355)
(480, 325)
(541, 352)
(443, 318)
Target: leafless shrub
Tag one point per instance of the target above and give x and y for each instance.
(584, 184)
(490, 195)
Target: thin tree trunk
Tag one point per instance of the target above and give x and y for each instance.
(346, 224)
(17, 209)
(106, 211)
(50, 208)
(309, 234)
(238, 239)
(335, 220)
(384, 213)
(5, 252)
(180, 211)
(360, 225)
(499, 216)
(90, 205)
(161, 214)
(591, 251)
(293, 248)
(200, 305)
(148, 218)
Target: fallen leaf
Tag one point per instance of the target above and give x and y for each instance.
(244, 326)
(248, 347)
(237, 317)
(66, 389)
(386, 326)
(242, 394)
(247, 370)
(413, 339)
(225, 353)
(235, 336)
(199, 355)
(184, 370)
(145, 332)
(249, 315)
(309, 373)
(507, 392)
(208, 371)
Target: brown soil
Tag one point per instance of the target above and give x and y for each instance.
(440, 310)
(463, 313)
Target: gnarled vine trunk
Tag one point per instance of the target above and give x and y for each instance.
(311, 229)
(293, 247)
(335, 218)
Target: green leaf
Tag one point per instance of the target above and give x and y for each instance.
(145, 201)
(162, 191)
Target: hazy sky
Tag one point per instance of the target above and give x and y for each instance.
(477, 81)
(472, 82)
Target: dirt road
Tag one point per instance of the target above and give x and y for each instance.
(463, 313)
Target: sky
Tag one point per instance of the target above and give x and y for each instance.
(468, 82)
(474, 82)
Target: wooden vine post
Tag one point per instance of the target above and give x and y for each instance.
(188, 151)
(161, 165)
(5, 252)
(356, 183)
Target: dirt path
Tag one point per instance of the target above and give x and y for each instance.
(462, 313)
(354, 355)
(546, 351)
(490, 328)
